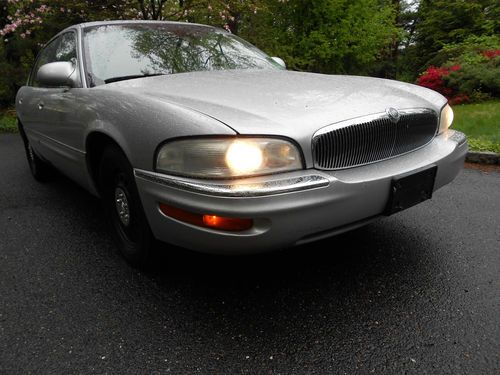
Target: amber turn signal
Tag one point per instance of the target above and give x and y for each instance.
(231, 224)
(227, 223)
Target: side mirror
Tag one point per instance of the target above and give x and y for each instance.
(56, 74)
(279, 61)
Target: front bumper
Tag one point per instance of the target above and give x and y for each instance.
(292, 208)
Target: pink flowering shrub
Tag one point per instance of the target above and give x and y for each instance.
(475, 76)
(491, 54)
(434, 78)
(25, 16)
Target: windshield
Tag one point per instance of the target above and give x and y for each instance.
(134, 50)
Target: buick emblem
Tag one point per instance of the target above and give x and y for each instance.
(393, 114)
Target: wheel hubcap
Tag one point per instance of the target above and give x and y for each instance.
(122, 207)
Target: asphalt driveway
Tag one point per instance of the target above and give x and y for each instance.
(415, 293)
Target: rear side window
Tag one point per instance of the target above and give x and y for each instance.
(62, 48)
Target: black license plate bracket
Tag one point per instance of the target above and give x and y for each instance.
(411, 188)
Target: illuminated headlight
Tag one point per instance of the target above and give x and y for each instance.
(228, 157)
(446, 118)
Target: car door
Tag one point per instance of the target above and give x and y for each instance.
(50, 113)
(31, 100)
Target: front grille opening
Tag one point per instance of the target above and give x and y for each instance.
(366, 142)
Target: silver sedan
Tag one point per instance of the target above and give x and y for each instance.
(194, 137)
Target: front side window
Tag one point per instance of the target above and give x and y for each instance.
(66, 50)
(47, 55)
(120, 51)
(62, 48)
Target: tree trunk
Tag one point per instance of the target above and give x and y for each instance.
(144, 11)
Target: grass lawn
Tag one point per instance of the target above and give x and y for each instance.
(481, 123)
(8, 123)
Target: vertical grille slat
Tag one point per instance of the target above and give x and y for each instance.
(365, 142)
(359, 144)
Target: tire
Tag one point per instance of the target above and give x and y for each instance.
(40, 170)
(123, 208)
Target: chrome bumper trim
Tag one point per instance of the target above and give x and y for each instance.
(457, 137)
(236, 189)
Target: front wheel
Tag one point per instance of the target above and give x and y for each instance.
(123, 207)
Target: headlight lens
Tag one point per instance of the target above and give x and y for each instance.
(228, 157)
(446, 118)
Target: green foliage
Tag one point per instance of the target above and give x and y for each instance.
(439, 24)
(480, 144)
(442, 22)
(6, 91)
(329, 36)
(479, 74)
(468, 51)
(481, 123)
(478, 81)
(8, 122)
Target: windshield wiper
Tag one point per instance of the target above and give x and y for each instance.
(123, 78)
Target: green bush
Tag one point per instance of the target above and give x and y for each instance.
(8, 122)
(470, 51)
(479, 60)
(477, 81)
(483, 145)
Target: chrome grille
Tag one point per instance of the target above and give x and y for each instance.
(373, 138)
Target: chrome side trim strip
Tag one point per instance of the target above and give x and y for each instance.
(235, 189)
(47, 138)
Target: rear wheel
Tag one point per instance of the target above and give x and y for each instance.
(40, 170)
(123, 207)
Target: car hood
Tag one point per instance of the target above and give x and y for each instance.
(275, 102)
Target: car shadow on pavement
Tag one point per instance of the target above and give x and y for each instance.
(336, 290)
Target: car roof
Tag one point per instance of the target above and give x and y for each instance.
(133, 22)
(84, 25)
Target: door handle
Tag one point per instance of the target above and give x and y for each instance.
(41, 105)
